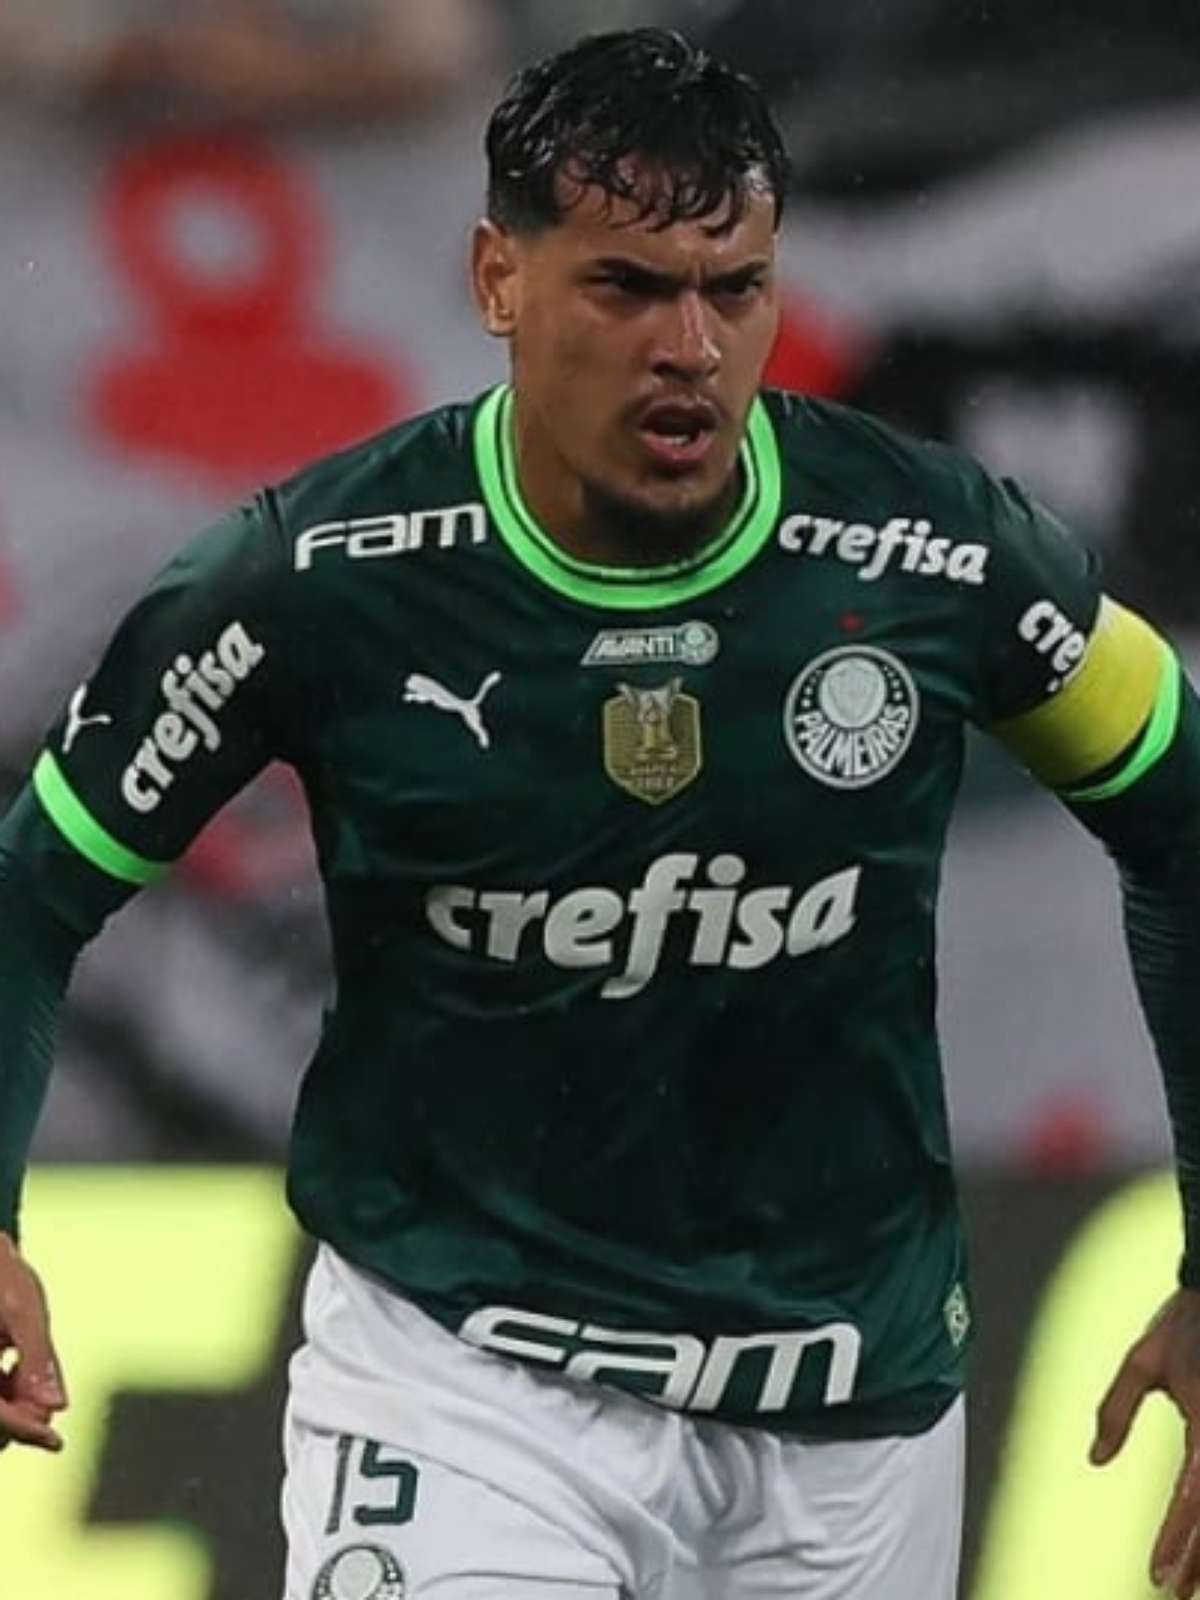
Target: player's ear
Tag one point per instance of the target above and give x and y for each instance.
(494, 277)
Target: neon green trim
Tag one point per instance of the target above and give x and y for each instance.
(511, 488)
(627, 588)
(77, 825)
(1159, 732)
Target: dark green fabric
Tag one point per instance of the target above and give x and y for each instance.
(51, 901)
(1162, 922)
(1153, 832)
(632, 1035)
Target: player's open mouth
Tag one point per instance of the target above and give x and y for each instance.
(677, 434)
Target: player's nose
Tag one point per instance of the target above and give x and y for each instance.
(687, 346)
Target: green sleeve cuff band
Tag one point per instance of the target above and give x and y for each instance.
(80, 829)
(1155, 741)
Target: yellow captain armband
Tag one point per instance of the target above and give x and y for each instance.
(1123, 699)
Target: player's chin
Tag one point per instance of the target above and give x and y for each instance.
(673, 507)
(679, 499)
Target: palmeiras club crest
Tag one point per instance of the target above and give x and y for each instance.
(850, 715)
(361, 1572)
(652, 743)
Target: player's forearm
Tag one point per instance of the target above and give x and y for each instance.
(51, 902)
(1148, 814)
(37, 952)
(1162, 924)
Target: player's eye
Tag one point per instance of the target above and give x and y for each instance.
(743, 287)
(629, 281)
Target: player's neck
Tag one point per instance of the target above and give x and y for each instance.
(589, 526)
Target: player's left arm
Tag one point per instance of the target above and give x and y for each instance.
(1114, 730)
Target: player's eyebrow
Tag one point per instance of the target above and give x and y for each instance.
(649, 280)
(738, 277)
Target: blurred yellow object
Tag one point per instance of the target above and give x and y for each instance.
(157, 1279)
(1058, 1526)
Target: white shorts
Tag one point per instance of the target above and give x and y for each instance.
(422, 1468)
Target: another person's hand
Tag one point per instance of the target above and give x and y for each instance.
(31, 1385)
(238, 68)
(1166, 1358)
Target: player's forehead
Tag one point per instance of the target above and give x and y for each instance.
(596, 223)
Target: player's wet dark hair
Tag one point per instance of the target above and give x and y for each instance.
(702, 134)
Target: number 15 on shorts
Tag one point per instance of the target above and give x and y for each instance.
(382, 1490)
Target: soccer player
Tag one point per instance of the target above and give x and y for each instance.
(629, 702)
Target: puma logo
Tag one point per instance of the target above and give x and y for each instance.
(423, 691)
(77, 722)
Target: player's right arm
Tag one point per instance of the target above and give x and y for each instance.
(189, 701)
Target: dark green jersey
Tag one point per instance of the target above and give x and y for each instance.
(631, 877)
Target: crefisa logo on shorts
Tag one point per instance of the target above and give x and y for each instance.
(361, 1572)
(850, 715)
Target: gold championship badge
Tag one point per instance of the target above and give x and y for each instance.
(652, 740)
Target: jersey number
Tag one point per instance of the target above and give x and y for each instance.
(400, 1477)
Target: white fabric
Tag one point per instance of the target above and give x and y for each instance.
(533, 1485)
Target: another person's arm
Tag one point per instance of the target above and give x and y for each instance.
(71, 56)
(384, 61)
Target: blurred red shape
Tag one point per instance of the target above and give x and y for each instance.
(1068, 1133)
(236, 376)
(815, 352)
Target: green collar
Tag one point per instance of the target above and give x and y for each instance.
(626, 588)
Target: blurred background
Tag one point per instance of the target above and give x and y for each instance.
(234, 237)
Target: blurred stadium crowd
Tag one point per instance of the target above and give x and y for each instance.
(233, 237)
